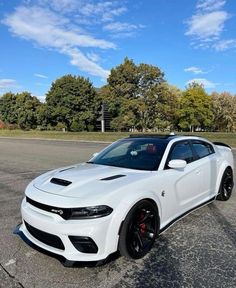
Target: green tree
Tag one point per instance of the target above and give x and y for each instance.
(195, 108)
(26, 109)
(131, 94)
(20, 109)
(8, 113)
(120, 92)
(224, 111)
(167, 107)
(44, 116)
(72, 100)
(150, 88)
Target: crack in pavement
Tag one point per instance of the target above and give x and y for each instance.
(11, 276)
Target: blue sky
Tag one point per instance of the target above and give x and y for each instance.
(42, 40)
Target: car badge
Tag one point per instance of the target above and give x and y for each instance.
(57, 211)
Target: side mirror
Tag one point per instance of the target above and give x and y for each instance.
(95, 154)
(177, 164)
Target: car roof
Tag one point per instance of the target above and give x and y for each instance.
(165, 138)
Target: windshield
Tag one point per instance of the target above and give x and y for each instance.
(141, 154)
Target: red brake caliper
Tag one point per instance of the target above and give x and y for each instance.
(142, 226)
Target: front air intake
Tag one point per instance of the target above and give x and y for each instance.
(84, 244)
(44, 237)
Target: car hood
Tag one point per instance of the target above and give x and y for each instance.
(86, 179)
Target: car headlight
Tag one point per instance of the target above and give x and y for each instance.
(90, 212)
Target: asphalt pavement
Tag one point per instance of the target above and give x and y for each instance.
(198, 251)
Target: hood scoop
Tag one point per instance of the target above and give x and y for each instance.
(60, 182)
(112, 177)
(66, 169)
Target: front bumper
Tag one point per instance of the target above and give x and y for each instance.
(53, 224)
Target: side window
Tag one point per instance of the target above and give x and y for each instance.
(202, 149)
(183, 151)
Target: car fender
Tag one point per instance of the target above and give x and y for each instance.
(222, 168)
(121, 212)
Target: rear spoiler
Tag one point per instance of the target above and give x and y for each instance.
(221, 144)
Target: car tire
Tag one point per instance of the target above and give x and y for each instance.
(226, 186)
(139, 230)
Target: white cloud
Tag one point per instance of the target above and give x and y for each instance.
(62, 6)
(102, 11)
(93, 56)
(63, 26)
(225, 45)
(194, 70)
(41, 98)
(50, 30)
(40, 75)
(210, 5)
(120, 27)
(82, 62)
(202, 81)
(7, 83)
(207, 25)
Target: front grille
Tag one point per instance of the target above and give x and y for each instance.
(46, 238)
(65, 213)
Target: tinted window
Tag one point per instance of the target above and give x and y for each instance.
(202, 149)
(142, 154)
(183, 151)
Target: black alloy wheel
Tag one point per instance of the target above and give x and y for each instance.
(139, 230)
(226, 186)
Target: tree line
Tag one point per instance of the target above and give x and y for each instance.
(137, 97)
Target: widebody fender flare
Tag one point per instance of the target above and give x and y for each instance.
(222, 169)
(121, 212)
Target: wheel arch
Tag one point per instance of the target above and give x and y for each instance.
(119, 216)
(146, 199)
(223, 168)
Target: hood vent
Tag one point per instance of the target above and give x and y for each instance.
(112, 177)
(60, 182)
(66, 169)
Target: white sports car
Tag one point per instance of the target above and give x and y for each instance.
(123, 197)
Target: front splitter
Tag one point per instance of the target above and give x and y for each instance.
(65, 262)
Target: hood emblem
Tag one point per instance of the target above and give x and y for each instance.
(60, 212)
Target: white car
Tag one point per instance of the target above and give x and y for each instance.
(123, 197)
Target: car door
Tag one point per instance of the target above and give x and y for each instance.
(207, 167)
(182, 185)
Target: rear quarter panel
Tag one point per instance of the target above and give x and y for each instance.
(224, 160)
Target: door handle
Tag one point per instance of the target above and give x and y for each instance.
(197, 171)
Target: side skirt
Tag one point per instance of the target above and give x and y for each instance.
(185, 214)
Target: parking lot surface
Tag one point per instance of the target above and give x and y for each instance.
(198, 251)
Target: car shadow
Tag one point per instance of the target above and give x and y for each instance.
(159, 269)
(163, 266)
(224, 224)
